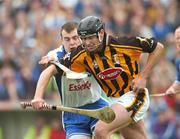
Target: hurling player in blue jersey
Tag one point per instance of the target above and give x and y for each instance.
(81, 93)
(175, 87)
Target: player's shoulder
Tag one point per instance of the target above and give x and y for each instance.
(123, 40)
(147, 44)
(77, 51)
(59, 49)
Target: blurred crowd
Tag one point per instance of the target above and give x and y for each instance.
(45, 129)
(30, 28)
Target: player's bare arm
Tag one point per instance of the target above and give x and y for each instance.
(173, 89)
(46, 59)
(38, 101)
(140, 81)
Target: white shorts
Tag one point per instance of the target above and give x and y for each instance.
(138, 102)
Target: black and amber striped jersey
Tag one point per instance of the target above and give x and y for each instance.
(116, 65)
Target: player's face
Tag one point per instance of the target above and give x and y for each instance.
(177, 38)
(92, 42)
(70, 40)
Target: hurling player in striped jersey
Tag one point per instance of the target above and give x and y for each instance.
(114, 62)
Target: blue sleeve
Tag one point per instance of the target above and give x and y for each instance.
(178, 69)
(60, 54)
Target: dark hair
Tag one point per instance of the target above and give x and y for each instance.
(68, 27)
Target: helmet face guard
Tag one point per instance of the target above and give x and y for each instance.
(89, 26)
(86, 36)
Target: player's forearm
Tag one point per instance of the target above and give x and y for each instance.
(152, 60)
(176, 86)
(43, 81)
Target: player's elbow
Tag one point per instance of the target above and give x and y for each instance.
(160, 46)
(159, 49)
(51, 70)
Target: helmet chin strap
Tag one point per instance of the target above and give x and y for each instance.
(100, 41)
(98, 45)
(98, 34)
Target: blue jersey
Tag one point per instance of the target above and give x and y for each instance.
(178, 69)
(75, 93)
(84, 94)
(58, 53)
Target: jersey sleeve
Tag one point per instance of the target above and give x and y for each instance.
(57, 53)
(74, 60)
(147, 44)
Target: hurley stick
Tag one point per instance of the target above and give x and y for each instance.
(105, 114)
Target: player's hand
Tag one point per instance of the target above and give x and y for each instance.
(170, 91)
(46, 59)
(138, 83)
(38, 103)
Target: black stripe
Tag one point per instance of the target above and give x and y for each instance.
(106, 66)
(54, 107)
(128, 62)
(125, 79)
(113, 53)
(140, 98)
(116, 85)
(77, 55)
(127, 48)
(136, 68)
(138, 102)
(114, 82)
(97, 70)
(86, 63)
(116, 64)
(104, 60)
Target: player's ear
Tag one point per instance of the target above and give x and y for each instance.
(101, 34)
